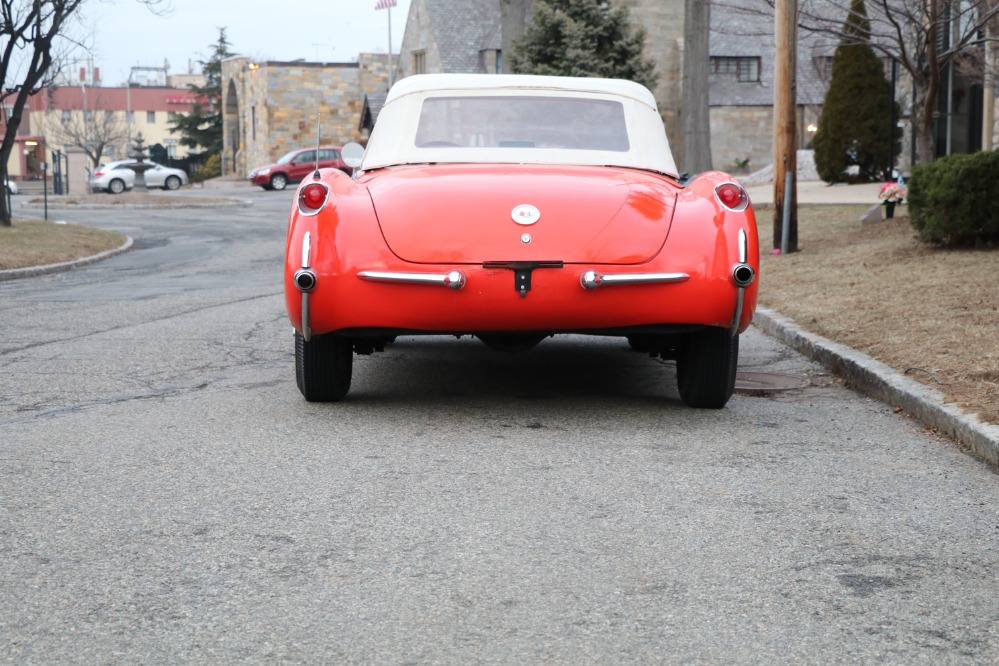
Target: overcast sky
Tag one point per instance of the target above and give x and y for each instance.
(127, 34)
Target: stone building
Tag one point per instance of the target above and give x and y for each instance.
(462, 36)
(472, 36)
(270, 108)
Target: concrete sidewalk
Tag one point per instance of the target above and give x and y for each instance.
(819, 192)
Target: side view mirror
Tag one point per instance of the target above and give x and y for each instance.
(352, 154)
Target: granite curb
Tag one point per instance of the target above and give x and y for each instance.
(32, 271)
(883, 383)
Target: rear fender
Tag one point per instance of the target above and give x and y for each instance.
(707, 234)
(347, 220)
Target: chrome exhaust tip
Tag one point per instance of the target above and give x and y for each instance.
(743, 275)
(305, 280)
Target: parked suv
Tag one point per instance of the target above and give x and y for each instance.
(295, 166)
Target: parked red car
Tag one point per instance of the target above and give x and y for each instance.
(295, 166)
(513, 208)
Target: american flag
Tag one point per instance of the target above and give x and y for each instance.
(385, 4)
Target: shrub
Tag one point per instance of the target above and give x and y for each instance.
(210, 168)
(213, 166)
(855, 127)
(950, 200)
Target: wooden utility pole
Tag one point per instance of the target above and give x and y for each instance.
(785, 140)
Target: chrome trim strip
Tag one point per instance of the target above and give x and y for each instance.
(307, 250)
(306, 263)
(743, 246)
(452, 279)
(592, 279)
(740, 296)
(306, 326)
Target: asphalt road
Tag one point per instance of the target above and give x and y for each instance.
(166, 496)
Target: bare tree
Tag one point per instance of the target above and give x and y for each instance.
(923, 37)
(33, 34)
(93, 131)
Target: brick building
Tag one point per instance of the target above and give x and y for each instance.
(58, 118)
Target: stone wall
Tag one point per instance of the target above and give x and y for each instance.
(662, 21)
(274, 107)
(419, 38)
(741, 132)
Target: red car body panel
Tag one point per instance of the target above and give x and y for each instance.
(383, 221)
(513, 208)
(462, 214)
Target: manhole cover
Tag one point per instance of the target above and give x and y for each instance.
(767, 382)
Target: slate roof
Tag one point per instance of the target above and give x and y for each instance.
(739, 32)
(373, 103)
(463, 29)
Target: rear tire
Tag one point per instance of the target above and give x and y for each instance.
(706, 366)
(323, 367)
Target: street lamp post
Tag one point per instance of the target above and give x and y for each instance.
(45, 189)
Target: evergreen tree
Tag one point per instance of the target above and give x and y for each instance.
(855, 124)
(583, 38)
(202, 128)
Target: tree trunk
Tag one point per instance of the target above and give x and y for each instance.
(696, 113)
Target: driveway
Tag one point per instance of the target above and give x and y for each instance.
(168, 497)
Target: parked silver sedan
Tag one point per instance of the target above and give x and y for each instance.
(116, 177)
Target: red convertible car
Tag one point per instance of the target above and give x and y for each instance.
(513, 208)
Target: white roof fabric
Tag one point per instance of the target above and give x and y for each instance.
(393, 139)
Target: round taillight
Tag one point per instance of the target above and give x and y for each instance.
(732, 196)
(313, 196)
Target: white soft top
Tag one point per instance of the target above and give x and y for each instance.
(519, 119)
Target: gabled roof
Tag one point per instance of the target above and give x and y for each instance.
(463, 29)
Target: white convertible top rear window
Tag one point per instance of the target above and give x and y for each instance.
(469, 118)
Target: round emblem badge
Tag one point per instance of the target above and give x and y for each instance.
(525, 214)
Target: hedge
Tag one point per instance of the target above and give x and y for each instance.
(952, 200)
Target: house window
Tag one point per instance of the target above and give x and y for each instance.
(419, 62)
(823, 65)
(492, 61)
(151, 117)
(108, 117)
(67, 115)
(744, 69)
(130, 117)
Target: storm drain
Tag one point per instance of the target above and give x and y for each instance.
(760, 383)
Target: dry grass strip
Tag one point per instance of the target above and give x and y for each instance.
(931, 314)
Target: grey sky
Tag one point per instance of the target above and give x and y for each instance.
(127, 34)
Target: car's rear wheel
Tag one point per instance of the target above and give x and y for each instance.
(279, 181)
(323, 367)
(116, 186)
(172, 183)
(705, 368)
